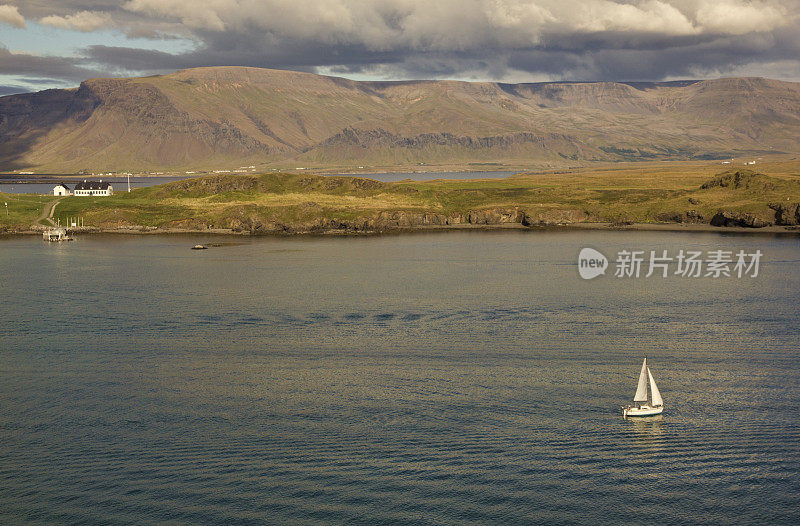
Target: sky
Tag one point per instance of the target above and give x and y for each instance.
(58, 43)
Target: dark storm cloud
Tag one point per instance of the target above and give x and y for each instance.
(294, 55)
(64, 68)
(500, 39)
(718, 56)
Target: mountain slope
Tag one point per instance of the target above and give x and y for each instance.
(223, 117)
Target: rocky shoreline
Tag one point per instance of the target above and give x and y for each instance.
(401, 224)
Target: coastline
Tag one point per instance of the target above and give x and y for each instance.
(735, 201)
(652, 227)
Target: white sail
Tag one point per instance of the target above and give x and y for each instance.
(657, 401)
(641, 391)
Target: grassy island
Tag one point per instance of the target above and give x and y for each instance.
(300, 203)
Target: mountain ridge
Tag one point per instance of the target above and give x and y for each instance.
(227, 116)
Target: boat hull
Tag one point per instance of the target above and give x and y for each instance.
(639, 412)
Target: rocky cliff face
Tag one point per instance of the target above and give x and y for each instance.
(381, 138)
(386, 221)
(786, 213)
(724, 218)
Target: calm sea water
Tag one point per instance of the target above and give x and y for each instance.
(434, 378)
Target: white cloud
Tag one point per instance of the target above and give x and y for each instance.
(84, 21)
(650, 16)
(737, 18)
(196, 15)
(458, 25)
(10, 15)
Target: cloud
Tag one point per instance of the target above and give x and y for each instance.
(84, 21)
(10, 15)
(738, 18)
(64, 68)
(196, 15)
(566, 39)
(459, 25)
(482, 39)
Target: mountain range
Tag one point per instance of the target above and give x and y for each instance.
(229, 117)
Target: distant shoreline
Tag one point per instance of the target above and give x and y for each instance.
(647, 227)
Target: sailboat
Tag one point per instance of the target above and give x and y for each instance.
(641, 407)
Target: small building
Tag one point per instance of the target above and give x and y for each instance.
(93, 188)
(61, 189)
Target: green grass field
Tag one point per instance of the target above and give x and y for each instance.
(22, 210)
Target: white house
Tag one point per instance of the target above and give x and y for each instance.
(61, 189)
(93, 188)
